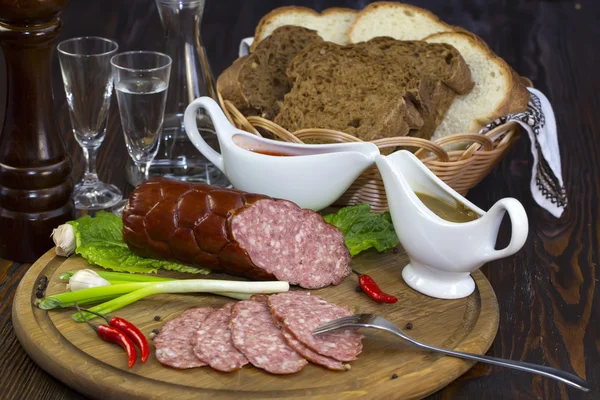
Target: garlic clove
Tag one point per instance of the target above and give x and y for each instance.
(85, 279)
(64, 240)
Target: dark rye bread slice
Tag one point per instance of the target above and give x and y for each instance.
(256, 83)
(440, 60)
(356, 88)
(347, 89)
(447, 69)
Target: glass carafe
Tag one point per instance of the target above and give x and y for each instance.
(191, 77)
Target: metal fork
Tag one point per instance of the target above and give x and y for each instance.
(374, 321)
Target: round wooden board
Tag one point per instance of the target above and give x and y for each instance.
(75, 355)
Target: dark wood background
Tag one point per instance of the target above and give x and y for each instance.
(549, 304)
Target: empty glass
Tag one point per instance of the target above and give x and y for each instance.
(87, 78)
(141, 83)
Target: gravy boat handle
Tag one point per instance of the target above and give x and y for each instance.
(223, 128)
(519, 227)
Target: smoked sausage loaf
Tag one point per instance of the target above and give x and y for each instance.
(238, 233)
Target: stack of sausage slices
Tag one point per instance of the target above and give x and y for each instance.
(273, 333)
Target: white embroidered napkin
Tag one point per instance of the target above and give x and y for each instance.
(245, 46)
(538, 120)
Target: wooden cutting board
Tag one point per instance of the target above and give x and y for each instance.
(387, 367)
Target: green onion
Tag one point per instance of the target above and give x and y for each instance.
(237, 296)
(91, 295)
(67, 275)
(123, 282)
(120, 276)
(186, 286)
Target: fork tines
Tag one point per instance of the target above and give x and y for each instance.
(336, 324)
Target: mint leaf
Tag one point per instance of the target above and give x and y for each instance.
(364, 230)
(100, 241)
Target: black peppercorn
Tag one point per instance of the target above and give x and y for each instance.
(157, 317)
(358, 289)
(43, 283)
(395, 376)
(396, 250)
(155, 331)
(409, 325)
(39, 294)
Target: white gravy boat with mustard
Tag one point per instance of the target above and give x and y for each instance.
(442, 253)
(312, 176)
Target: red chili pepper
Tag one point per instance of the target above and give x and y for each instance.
(130, 330)
(115, 335)
(134, 333)
(369, 286)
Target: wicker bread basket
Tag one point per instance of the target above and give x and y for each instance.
(460, 169)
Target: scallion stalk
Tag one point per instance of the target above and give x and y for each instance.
(87, 296)
(186, 286)
(120, 276)
(122, 282)
(237, 296)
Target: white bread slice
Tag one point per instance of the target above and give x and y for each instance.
(396, 20)
(498, 89)
(332, 24)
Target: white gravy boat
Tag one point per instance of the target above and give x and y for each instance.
(443, 254)
(314, 176)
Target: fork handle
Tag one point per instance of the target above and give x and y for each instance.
(562, 376)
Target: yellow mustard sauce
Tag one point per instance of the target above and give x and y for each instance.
(456, 212)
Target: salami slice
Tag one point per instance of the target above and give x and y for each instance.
(172, 344)
(212, 342)
(310, 355)
(301, 313)
(254, 333)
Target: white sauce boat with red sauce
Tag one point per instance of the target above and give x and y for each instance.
(443, 254)
(312, 176)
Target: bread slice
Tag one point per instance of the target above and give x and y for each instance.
(498, 89)
(256, 83)
(356, 89)
(332, 24)
(440, 60)
(442, 64)
(396, 20)
(345, 88)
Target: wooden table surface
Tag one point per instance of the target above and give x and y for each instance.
(549, 304)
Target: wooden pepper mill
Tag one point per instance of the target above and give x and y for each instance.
(35, 187)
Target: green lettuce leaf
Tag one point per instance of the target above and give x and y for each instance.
(100, 241)
(363, 230)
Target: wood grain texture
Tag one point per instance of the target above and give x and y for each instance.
(547, 293)
(73, 353)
